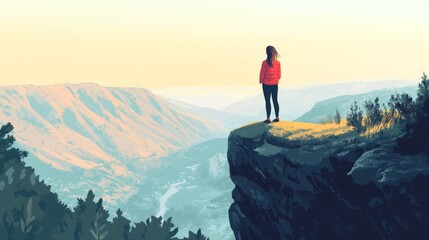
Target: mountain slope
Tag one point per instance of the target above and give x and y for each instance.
(100, 135)
(327, 107)
(229, 120)
(84, 125)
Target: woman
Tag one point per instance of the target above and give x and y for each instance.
(269, 78)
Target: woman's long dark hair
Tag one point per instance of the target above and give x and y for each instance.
(272, 55)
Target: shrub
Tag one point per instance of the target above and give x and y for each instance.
(401, 106)
(328, 119)
(373, 113)
(354, 117)
(416, 137)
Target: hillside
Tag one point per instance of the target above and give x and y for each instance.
(228, 120)
(310, 181)
(30, 210)
(96, 135)
(325, 108)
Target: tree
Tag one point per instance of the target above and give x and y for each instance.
(6, 150)
(154, 228)
(29, 210)
(197, 236)
(91, 219)
(337, 117)
(354, 117)
(402, 106)
(120, 227)
(373, 113)
(423, 94)
(416, 137)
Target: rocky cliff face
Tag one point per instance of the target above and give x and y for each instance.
(309, 181)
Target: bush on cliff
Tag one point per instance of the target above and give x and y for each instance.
(373, 113)
(401, 106)
(416, 137)
(354, 117)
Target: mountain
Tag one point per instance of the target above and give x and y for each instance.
(309, 181)
(98, 135)
(294, 102)
(228, 120)
(327, 107)
(30, 210)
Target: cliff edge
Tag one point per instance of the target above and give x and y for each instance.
(310, 181)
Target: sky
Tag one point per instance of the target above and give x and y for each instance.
(171, 44)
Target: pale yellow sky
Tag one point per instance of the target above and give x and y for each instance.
(168, 43)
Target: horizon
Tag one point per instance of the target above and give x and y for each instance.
(221, 97)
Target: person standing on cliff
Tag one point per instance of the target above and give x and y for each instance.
(269, 78)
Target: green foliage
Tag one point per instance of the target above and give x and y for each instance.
(120, 227)
(26, 223)
(7, 152)
(154, 228)
(354, 117)
(401, 106)
(29, 210)
(91, 218)
(373, 113)
(422, 93)
(337, 117)
(24, 199)
(197, 236)
(416, 137)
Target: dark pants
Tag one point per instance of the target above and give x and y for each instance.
(271, 90)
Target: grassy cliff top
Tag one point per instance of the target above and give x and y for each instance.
(294, 130)
(306, 143)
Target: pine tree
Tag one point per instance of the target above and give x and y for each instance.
(423, 94)
(154, 228)
(120, 227)
(337, 117)
(29, 210)
(197, 236)
(91, 219)
(416, 137)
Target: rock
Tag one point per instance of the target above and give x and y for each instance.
(310, 181)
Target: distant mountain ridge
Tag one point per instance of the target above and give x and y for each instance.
(294, 102)
(228, 120)
(327, 107)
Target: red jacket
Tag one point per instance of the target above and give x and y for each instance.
(270, 75)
